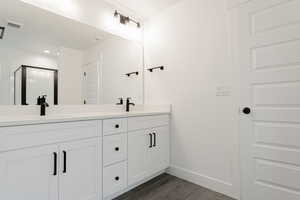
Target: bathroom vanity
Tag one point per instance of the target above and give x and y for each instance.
(84, 157)
(83, 146)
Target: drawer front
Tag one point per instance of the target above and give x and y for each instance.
(114, 179)
(136, 123)
(33, 135)
(114, 126)
(114, 149)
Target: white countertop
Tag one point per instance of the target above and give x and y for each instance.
(57, 118)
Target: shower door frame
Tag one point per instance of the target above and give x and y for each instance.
(24, 84)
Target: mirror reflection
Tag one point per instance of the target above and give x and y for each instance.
(43, 55)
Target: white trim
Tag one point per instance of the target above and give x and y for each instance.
(205, 181)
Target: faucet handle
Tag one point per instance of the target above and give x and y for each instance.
(38, 100)
(121, 101)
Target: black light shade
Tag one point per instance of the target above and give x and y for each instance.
(2, 29)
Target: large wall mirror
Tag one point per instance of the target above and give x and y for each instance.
(71, 63)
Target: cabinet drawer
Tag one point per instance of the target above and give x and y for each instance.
(114, 179)
(34, 135)
(136, 123)
(114, 149)
(113, 126)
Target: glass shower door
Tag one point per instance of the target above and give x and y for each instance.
(32, 82)
(39, 83)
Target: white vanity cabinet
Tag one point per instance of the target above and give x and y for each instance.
(82, 160)
(29, 174)
(67, 169)
(80, 170)
(148, 147)
(159, 153)
(114, 157)
(133, 155)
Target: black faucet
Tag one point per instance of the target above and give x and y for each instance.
(121, 101)
(128, 104)
(42, 102)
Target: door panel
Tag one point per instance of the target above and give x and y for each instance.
(278, 174)
(267, 48)
(114, 179)
(91, 83)
(138, 145)
(114, 149)
(271, 133)
(29, 174)
(159, 155)
(81, 179)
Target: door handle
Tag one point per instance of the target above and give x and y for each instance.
(55, 164)
(150, 134)
(65, 162)
(154, 134)
(247, 110)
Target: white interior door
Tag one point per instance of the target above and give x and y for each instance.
(267, 41)
(29, 174)
(81, 174)
(91, 83)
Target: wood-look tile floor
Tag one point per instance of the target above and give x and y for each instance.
(167, 187)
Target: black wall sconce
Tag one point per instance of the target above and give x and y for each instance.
(160, 67)
(131, 73)
(125, 19)
(2, 29)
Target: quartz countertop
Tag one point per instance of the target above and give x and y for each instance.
(24, 119)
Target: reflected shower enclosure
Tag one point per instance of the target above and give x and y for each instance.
(31, 82)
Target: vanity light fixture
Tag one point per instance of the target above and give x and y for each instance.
(125, 19)
(2, 29)
(160, 67)
(129, 74)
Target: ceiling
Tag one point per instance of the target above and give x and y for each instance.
(44, 30)
(144, 8)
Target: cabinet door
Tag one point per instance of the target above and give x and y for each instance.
(138, 146)
(80, 174)
(29, 174)
(159, 154)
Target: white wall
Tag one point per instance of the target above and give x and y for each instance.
(70, 77)
(192, 40)
(117, 57)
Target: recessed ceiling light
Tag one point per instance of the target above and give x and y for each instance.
(47, 51)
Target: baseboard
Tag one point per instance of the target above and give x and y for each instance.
(204, 181)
